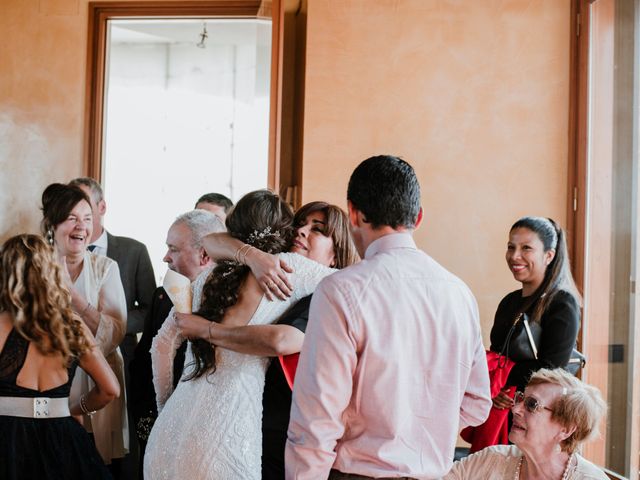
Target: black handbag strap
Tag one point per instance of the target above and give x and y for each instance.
(504, 351)
(532, 342)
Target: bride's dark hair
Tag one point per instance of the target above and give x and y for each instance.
(261, 219)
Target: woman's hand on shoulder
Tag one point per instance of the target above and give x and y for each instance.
(271, 273)
(192, 326)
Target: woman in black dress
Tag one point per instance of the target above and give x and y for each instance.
(41, 343)
(537, 257)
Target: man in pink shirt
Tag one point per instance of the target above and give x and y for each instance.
(393, 364)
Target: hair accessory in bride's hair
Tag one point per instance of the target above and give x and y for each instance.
(256, 235)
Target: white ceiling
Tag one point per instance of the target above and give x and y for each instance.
(219, 31)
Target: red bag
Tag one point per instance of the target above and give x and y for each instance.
(289, 364)
(495, 430)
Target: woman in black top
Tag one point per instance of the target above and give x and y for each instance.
(537, 257)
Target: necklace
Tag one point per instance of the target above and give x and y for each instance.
(565, 474)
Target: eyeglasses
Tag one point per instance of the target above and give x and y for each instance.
(530, 403)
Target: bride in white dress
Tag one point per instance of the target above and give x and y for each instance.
(210, 426)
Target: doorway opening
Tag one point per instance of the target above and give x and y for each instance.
(186, 112)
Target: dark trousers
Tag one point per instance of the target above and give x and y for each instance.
(273, 442)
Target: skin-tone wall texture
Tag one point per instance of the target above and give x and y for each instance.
(474, 94)
(42, 64)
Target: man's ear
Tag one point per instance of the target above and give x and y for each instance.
(204, 258)
(353, 214)
(419, 219)
(102, 207)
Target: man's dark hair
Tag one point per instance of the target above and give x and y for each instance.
(386, 190)
(216, 199)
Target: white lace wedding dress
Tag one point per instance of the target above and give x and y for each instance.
(210, 427)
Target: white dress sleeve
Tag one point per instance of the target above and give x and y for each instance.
(112, 307)
(307, 274)
(163, 351)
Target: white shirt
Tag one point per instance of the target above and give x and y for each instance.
(101, 244)
(391, 369)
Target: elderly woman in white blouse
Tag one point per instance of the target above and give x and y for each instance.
(551, 419)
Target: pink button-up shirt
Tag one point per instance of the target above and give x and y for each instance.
(392, 368)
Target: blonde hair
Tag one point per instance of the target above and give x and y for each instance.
(580, 406)
(33, 294)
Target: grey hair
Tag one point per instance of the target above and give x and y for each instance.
(201, 223)
(96, 189)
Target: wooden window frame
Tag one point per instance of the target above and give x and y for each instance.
(578, 190)
(101, 12)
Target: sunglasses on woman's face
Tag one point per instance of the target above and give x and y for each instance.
(530, 403)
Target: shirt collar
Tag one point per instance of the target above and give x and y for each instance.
(387, 242)
(101, 241)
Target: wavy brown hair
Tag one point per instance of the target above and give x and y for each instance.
(336, 227)
(33, 294)
(261, 219)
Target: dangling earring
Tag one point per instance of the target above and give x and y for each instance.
(50, 236)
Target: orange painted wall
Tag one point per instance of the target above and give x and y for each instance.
(474, 94)
(42, 70)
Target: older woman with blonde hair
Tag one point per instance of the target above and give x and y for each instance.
(554, 416)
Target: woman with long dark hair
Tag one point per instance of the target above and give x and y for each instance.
(210, 426)
(538, 259)
(42, 341)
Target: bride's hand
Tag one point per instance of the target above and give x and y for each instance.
(192, 326)
(271, 273)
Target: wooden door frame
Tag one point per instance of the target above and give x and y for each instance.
(100, 12)
(578, 185)
(578, 135)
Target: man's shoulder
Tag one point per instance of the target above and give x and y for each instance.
(380, 264)
(128, 242)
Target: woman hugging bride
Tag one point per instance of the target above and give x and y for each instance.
(210, 426)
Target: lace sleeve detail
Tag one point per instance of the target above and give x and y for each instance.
(197, 286)
(307, 274)
(112, 307)
(163, 351)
